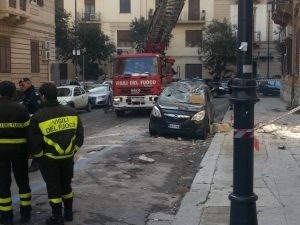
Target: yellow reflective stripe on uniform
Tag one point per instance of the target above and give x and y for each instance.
(67, 196)
(50, 155)
(27, 195)
(58, 124)
(76, 147)
(5, 200)
(5, 208)
(13, 141)
(25, 203)
(69, 148)
(55, 200)
(15, 125)
(39, 154)
(55, 145)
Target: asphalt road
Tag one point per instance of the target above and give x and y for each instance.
(112, 185)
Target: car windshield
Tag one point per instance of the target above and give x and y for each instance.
(136, 66)
(185, 94)
(275, 83)
(63, 92)
(98, 90)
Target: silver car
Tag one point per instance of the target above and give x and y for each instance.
(101, 95)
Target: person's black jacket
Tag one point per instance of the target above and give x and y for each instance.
(14, 123)
(55, 131)
(31, 100)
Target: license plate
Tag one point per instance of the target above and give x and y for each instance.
(174, 126)
(137, 99)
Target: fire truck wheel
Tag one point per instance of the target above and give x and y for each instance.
(120, 113)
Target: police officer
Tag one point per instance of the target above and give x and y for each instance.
(14, 122)
(31, 102)
(56, 133)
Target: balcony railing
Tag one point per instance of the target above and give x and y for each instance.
(186, 17)
(282, 11)
(14, 11)
(89, 17)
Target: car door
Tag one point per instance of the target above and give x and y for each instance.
(78, 98)
(85, 97)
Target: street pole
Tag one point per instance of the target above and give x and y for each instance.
(243, 199)
(268, 59)
(76, 71)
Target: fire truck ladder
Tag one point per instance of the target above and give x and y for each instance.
(163, 21)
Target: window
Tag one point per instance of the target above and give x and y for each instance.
(193, 38)
(194, 10)
(5, 60)
(12, 3)
(23, 5)
(38, 2)
(125, 6)
(124, 38)
(193, 71)
(59, 4)
(35, 58)
(298, 54)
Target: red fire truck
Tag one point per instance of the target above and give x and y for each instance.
(139, 78)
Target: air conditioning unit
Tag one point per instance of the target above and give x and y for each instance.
(47, 55)
(47, 45)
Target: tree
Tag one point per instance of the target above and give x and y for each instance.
(139, 29)
(218, 48)
(89, 39)
(63, 33)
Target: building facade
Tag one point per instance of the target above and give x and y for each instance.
(115, 16)
(286, 14)
(27, 40)
(266, 57)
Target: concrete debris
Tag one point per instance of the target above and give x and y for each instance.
(282, 147)
(143, 158)
(221, 127)
(269, 128)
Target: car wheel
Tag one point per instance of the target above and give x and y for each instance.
(89, 107)
(72, 105)
(120, 113)
(152, 132)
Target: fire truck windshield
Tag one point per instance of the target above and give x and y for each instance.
(136, 66)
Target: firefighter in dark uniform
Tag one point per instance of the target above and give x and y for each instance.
(14, 123)
(56, 133)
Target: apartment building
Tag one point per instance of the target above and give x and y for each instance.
(286, 14)
(115, 16)
(27, 40)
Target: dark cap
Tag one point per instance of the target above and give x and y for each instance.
(24, 80)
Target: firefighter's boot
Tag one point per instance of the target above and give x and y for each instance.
(68, 209)
(6, 218)
(25, 212)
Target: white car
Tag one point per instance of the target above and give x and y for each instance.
(74, 96)
(101, 95)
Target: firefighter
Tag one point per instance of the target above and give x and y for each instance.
(31, 102)
(14, 122)
(56, 133)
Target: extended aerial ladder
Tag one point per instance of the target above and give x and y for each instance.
(163, 21)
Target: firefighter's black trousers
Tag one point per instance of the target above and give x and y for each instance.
(58, 174)
(18, 163)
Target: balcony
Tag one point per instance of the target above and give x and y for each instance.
(14, 11)
(89, 17)
(282, 11)
(186, 17)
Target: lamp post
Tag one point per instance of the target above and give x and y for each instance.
(268, 37)
(76, 70)
(243, 199)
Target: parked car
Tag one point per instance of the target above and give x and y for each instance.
(101, 95)
(109, 82)
(74, 96)
(183, 109)
(269, 87)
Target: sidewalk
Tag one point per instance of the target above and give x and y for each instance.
(276, 173)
